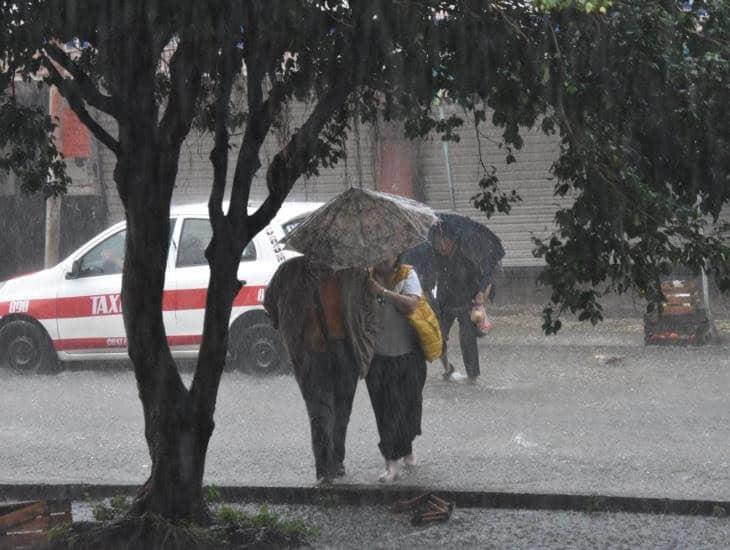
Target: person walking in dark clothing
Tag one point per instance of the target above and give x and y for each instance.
(398, 370)
(327, 320)
(459, 262)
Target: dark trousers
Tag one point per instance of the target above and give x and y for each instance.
(328, 381)
(467, 336)
(395, 385)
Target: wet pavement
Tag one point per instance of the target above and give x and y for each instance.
(356, 527)
(589, 411)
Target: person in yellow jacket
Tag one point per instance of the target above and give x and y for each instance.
(397, 372)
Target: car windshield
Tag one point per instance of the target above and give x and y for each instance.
(293, 223)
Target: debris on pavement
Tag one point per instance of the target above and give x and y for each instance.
(604, 359)
(425, 508)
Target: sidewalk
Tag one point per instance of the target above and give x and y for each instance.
(362, 519)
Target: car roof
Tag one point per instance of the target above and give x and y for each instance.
(289, 209)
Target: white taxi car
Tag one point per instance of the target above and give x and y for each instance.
(73, 311)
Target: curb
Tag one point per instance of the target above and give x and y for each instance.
(368, 495)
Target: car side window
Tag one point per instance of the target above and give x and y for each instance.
(196, 234)
(249, 253)
(295, 222)
(106, 258)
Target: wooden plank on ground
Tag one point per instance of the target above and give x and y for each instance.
(42, 523)
(59, 506)
(39, 523)
(13, 506)
(26, 524)
(22, 515)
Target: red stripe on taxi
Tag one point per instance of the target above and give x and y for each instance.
(110, 304)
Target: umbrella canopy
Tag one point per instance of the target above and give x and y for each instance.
(359, 228)
(476, 241)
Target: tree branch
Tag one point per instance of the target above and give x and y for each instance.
(559, 104)
(185, 78)
(260, 119)
(219, 155)
(85, 85)
(291, 162)
(69, 90)
(507, 19)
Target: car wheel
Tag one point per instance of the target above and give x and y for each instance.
(26, 349)
(258, 349)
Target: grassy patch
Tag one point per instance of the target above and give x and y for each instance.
(294, 531)
(113, 509)
(63, 534)
(212, 494)
(232, 529)
(228, 515)
(181, 535)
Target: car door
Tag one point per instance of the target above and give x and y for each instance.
(88, 304)
(191, 274)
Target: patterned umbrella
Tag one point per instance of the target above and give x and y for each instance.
(359, 228)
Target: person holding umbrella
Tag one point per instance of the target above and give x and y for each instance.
(459, 263)
(326, 318)
(324, 305)
(398, 370)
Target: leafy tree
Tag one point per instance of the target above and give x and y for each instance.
(640, 97)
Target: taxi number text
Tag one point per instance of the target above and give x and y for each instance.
(19, 306)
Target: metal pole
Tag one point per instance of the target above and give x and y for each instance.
(706, 300)
(53, 231)
(706, 290)
(447, 161)
(53, 209)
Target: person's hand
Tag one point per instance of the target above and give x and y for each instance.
(480, 298)
(374, 287)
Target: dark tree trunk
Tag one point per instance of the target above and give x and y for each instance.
(178, 442)
(178, 421)
(177, 430)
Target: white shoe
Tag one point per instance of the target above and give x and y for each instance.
(410, 460)
(391, 472)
